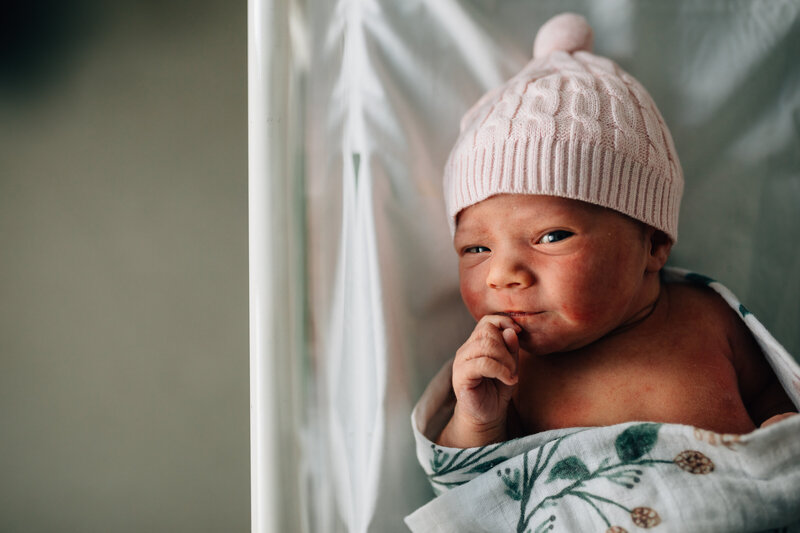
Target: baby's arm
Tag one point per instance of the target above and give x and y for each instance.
(762, 393)
(484, 378)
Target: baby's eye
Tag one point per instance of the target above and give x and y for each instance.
(555, 236)
(476, 250)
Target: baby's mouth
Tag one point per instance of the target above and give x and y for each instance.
(519, 314)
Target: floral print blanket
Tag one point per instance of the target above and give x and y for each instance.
(627, 477)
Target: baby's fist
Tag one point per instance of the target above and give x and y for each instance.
(484, 378)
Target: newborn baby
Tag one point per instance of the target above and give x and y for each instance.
(563, 193)
(575, 328)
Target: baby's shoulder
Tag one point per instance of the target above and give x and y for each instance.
(702, 307)
(703, 311)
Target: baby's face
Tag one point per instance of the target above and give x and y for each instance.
(566, 271)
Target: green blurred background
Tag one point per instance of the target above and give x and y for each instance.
(123, 270)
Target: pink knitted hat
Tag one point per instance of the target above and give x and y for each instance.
(570, 124)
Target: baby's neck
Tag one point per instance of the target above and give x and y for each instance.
(643, 312)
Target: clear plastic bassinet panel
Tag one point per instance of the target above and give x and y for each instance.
(374, 91)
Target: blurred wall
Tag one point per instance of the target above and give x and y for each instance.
(123, 267)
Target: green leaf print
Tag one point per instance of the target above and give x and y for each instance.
(636, 441)
(631, 445)
(464, 461)
(512, 482)
(569, 468)
(485, 466)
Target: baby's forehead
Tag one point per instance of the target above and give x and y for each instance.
(541, 201)
(543, 206)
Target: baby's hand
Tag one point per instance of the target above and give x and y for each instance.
(777, 418)
(484, 378)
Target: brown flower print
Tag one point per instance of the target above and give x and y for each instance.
(645, 517)
(694, 462)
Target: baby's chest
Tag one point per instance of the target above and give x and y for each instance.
(695, 387)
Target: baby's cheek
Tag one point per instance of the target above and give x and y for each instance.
(585, 305)
(581, 314)
(474, 302)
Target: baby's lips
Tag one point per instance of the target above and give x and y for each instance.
(517, 327)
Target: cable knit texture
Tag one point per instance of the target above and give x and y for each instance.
(570, 124)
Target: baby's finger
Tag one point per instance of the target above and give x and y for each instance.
(511, 340)
(486, 343)
(512, 343)
(500, 322)
(475, 370)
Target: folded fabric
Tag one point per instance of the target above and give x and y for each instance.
(617, 478)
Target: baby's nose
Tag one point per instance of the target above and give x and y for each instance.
(507, 272)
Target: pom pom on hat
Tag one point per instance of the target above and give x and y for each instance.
(568, 32)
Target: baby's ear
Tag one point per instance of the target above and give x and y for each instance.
(660, 246)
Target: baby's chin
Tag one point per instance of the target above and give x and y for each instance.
(548, 341)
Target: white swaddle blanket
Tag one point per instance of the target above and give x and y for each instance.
(625, 477)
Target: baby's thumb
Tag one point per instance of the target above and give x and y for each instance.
(512, 341)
